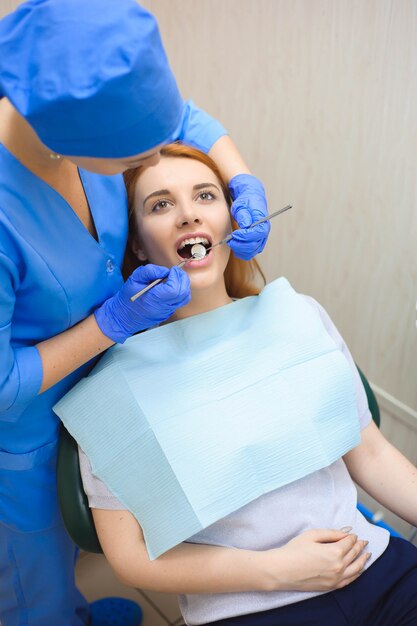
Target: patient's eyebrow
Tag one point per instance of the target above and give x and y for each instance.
(202, 185)
(160, 192)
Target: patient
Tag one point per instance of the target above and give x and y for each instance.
(301, 553)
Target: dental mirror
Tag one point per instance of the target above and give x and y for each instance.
(198, 251)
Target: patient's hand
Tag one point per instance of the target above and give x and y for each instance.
(318, 560)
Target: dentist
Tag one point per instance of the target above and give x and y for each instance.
(86, 93)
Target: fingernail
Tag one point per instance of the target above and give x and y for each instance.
(369, 555)
(346, 529)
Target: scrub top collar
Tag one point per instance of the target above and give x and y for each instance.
(84, 179)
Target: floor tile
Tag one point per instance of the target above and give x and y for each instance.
(167, 603)
(95, 580)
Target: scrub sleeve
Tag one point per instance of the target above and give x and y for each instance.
(53, 274)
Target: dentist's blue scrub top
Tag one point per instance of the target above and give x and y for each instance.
(53, 273)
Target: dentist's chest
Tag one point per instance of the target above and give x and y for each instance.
(70, 254)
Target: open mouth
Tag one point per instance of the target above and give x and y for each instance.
(184, 249)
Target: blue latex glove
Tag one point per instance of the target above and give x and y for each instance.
(119, 317)
(249, 206)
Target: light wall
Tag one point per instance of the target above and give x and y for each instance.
(6, 6)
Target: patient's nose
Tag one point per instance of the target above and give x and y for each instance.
(189, 214)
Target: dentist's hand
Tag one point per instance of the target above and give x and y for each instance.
(119, 318)
(249, 206)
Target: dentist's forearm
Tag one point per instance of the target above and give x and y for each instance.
(228, 158)
(67, 351)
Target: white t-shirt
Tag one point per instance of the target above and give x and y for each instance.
(324, 499)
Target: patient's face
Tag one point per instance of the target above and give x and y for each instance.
(179, 202)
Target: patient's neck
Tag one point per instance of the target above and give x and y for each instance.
(203, 300)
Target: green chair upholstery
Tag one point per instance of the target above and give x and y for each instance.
(372, 403)
(73, 501)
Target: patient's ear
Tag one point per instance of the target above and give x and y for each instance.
(138, 251)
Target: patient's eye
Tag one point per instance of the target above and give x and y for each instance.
(161, 205)
(206, 196)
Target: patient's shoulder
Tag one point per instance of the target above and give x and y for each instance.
(362, 401)
(324, 316)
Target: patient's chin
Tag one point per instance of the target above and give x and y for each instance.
(205, 282)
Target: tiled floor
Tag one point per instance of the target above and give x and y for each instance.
(96, 580)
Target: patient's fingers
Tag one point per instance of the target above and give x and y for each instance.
(354, 570)
(354, 550)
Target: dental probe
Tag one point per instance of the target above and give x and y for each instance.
(264, 219)
(160, 280)
(199, 251)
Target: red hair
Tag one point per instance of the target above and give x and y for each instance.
(242, 278)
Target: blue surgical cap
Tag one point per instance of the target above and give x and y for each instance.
(90, 76)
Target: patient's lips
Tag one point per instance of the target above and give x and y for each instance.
(187, 244)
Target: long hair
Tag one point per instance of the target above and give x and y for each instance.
(242, 278)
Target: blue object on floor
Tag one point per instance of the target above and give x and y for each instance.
(115, 612)
(369, 516)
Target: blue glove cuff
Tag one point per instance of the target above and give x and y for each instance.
(108, 325)
(241, 182)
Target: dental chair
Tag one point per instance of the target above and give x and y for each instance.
(73, 501)
(72, 498)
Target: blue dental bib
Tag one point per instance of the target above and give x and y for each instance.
(190, 421)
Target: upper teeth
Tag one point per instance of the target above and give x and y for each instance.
(192, 241)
